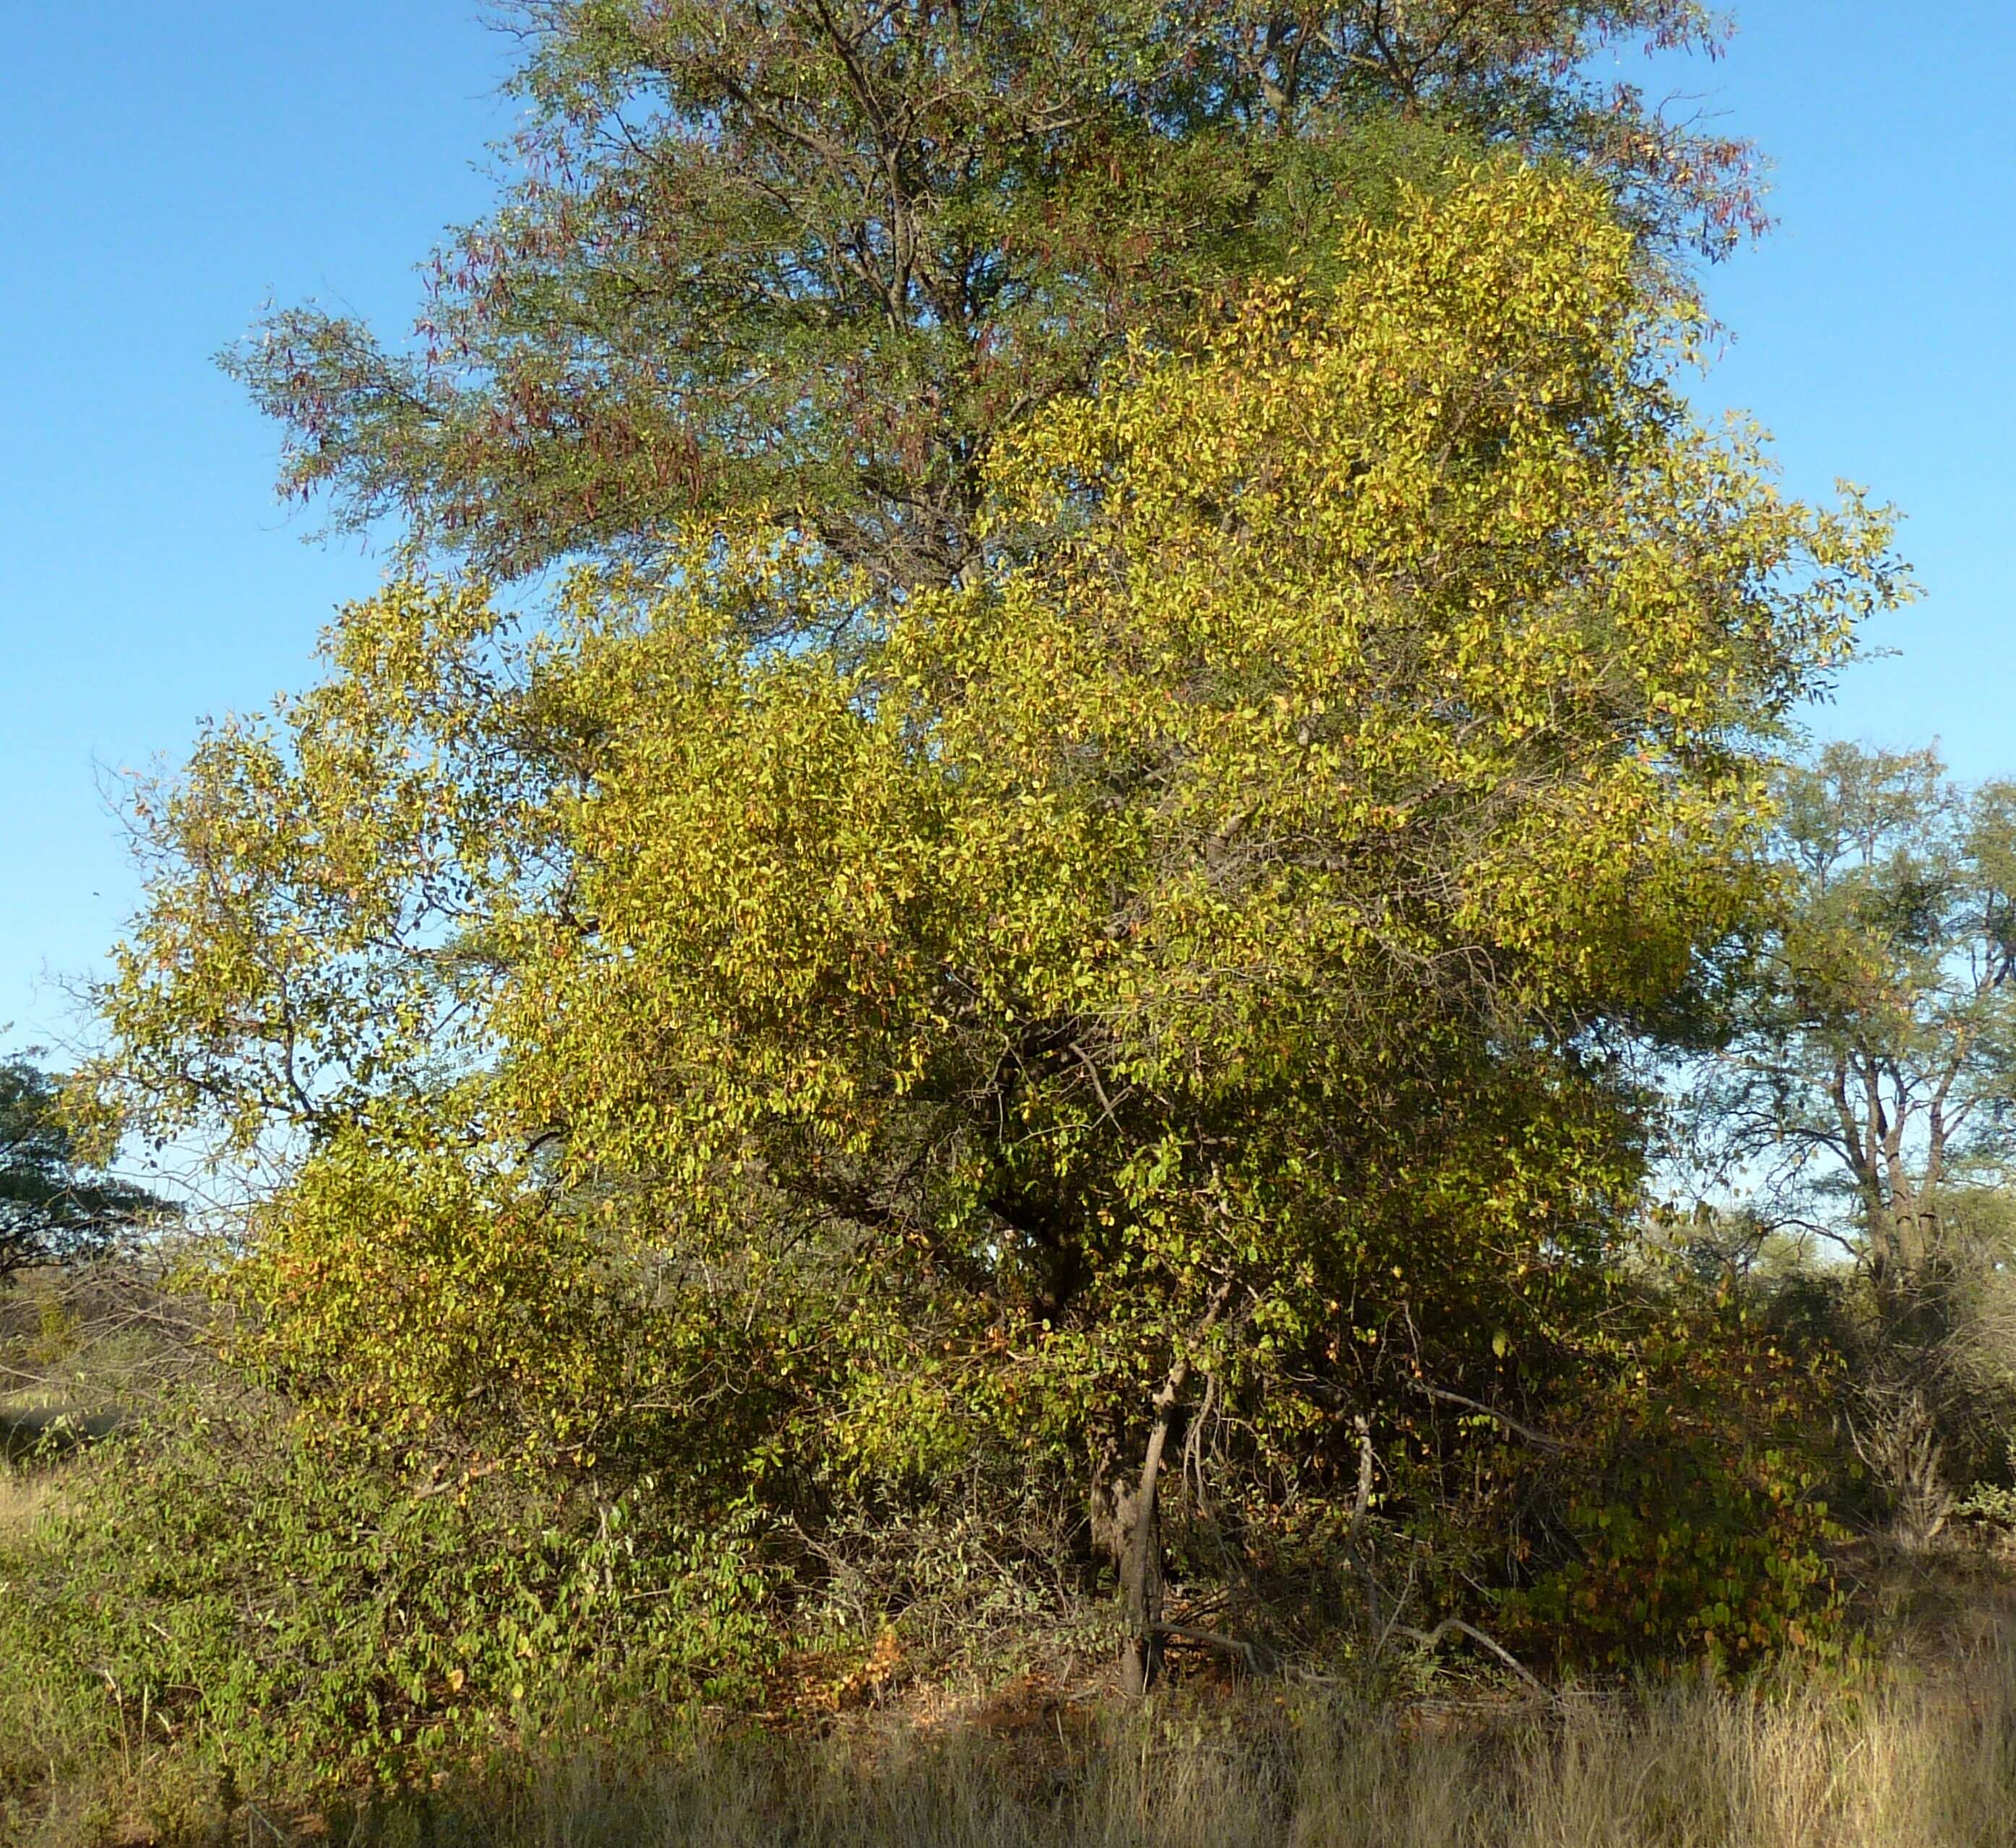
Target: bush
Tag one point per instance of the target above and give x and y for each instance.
(1688, 1522)
(271, 1611)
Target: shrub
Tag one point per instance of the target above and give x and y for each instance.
(292, 1618)
(1688, 1522)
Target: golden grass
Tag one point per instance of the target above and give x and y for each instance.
(25, 1495)
(1932, 1764)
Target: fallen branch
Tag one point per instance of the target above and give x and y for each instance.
(1259, 1659)
(1431, 1640)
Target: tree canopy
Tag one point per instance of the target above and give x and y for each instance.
(818, 256)
(54, 1205)
(1871, 1072)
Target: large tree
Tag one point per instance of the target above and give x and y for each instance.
(818, 254)
(1173, 991)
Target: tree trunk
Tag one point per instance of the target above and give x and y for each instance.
(1907, 1243)
(1139, 1520)
(1141, 1549)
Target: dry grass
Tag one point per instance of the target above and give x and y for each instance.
(25, 1496)
(1932, 1764)
(1687, 1770)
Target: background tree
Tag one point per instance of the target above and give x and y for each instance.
(815, 255)
(1865, 1101)
(1873, 1072)
(54, 1205)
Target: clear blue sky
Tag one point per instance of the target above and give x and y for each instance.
(164, 170)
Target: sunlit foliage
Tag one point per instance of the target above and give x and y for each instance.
(823, 255)
(1195, 964)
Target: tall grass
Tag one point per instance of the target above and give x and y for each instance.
(1925, 1764)
(1919, 1768)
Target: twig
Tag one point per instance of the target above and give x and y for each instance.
(448, 1484)
(1092, 1071)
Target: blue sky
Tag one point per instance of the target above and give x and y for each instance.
(165, 171)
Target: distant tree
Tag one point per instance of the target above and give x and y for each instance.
(54, 1205)
(1865, 1101)
(1873, 1075)
(818, 256)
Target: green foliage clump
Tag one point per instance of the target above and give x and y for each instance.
(1687, 1521)
(239, 1601)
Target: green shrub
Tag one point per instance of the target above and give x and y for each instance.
(289, 1618)
(1686, 1524)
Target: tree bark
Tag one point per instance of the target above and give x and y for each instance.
(1141, 1554)
(1140, 1520)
